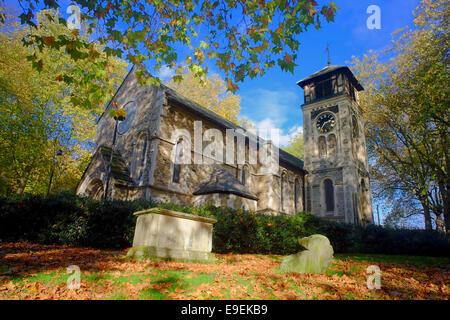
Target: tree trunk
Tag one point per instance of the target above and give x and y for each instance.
(21, 186)
(427, 216)
(445, 193)
(439, 224)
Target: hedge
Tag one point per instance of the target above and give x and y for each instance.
(67, 219)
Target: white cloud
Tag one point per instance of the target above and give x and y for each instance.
(166, 73)
(275, 105)
(268, 130)
(271, 111)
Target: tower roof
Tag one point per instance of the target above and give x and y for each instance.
(331, 69)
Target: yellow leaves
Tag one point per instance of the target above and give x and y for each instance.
(211, 94)
(121, 113)
(199, 55)
(48, 40)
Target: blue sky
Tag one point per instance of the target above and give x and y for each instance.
(274, 100)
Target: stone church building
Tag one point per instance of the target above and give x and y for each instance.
(137, 157)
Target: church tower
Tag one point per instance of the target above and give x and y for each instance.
(335, 159)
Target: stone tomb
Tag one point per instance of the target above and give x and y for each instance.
(164, 233)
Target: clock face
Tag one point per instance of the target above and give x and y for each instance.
(325, 123)
(125, 125)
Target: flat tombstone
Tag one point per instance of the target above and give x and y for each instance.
(164, 233)
(315, 259)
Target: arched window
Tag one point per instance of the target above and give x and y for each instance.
(245, 178)
(95, 189)
(140, 156)
(284, 191)
(329, 195)
(296, 190)
(331, 144)
(179, 155)
(364, 199)
(322, 147)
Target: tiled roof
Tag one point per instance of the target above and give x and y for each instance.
(330, 69)
(172, 95)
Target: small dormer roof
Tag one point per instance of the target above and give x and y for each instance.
(223, 181)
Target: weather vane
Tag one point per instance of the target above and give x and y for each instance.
(328, 51)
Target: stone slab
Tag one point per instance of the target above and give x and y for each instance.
(170, 234)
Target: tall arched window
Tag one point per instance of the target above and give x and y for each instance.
(245, 178)
(296, 189)
(140, 156)
(283, 191)
(329, 195)
(331, 144)
(178, 161)
(364, 200)
(322, 147)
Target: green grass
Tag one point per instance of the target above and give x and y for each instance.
(118, 295)
(395, 259)
(152, 294)
(43, 277)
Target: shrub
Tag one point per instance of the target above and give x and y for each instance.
(68, 219)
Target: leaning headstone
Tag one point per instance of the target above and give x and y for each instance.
(162, 233)
(315, 259)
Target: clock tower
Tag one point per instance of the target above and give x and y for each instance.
(338, 185)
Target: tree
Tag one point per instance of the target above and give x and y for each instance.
(211, 93)
(37, 116)
(406, 103)
(295, 146)
(243, 38)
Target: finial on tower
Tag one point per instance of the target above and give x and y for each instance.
(328, 51)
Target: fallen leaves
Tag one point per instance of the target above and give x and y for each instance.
(31, 271)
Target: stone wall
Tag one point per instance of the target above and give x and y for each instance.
(155, 126)
(175, 118)
(346, 165)
(137, 146)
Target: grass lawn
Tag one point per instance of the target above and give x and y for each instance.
(30, 271)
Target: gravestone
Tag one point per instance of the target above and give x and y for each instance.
(163, 233)
(315, 259)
